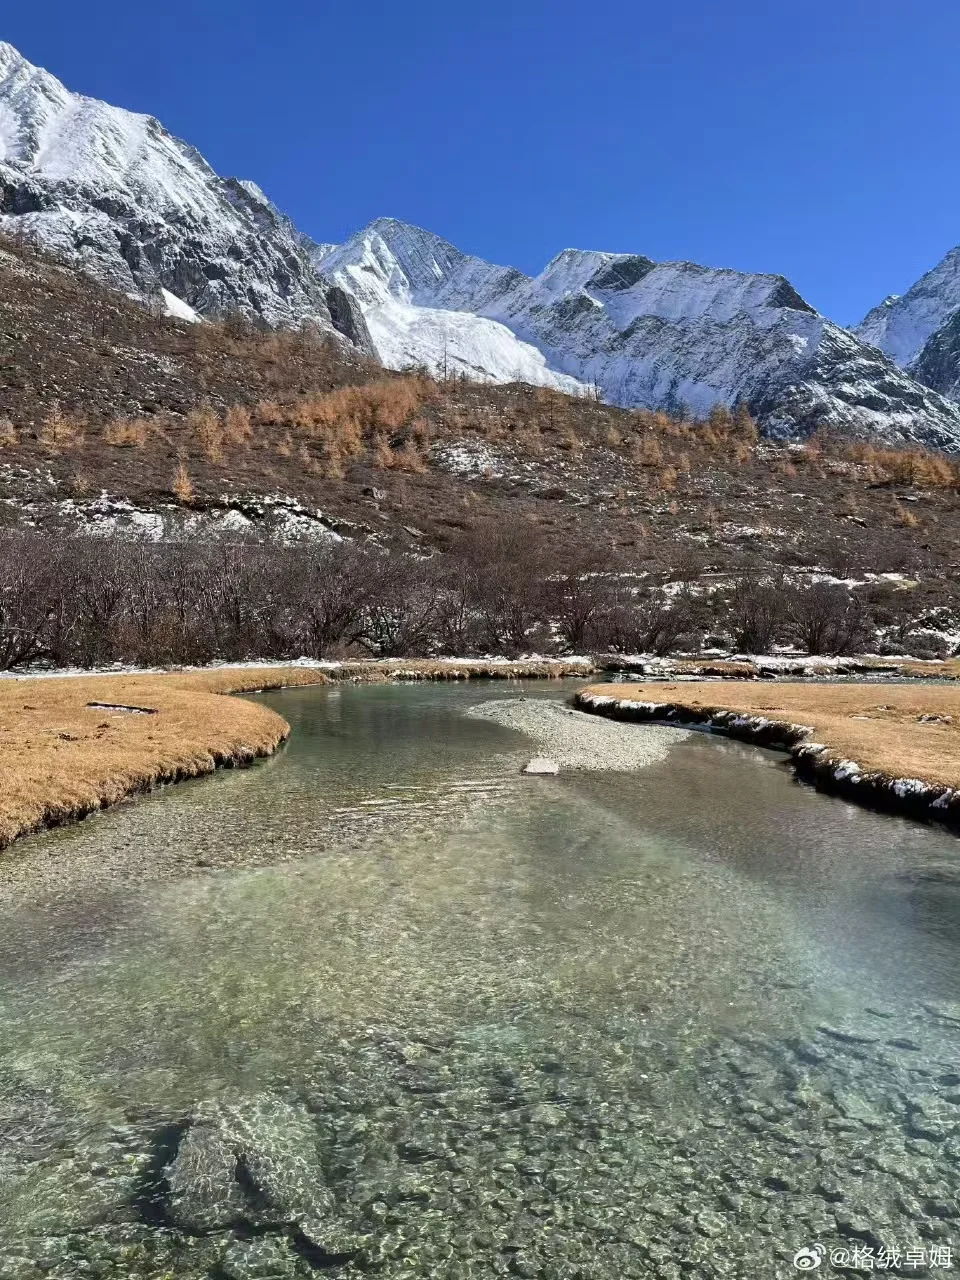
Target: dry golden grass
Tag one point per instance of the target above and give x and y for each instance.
(61, 758)
(877, 725)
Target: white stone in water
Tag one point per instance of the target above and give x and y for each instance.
(541, 764)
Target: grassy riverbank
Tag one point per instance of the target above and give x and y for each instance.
(62, 756)
(893, 746)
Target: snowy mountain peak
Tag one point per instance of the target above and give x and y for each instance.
(672, 335)
(63, 136)
(115, 193)
(10, 57)
(902, 326)
(423, 301)
(570, 271)
(416, 266)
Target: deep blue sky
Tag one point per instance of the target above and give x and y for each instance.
(819, 138)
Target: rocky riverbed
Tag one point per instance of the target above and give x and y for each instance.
(681, 1023)
(621, 1152)
(577, 740)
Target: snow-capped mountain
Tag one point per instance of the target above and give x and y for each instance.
(116, 194)
(424, 303)
(672, 335)
(920, 330)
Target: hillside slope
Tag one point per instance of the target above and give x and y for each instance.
(115, 418)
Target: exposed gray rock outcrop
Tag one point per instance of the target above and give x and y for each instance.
(112, 192)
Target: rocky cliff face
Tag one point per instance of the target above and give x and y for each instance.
(673, 336)
(114, 193)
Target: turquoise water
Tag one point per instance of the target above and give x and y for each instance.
(402, 1011)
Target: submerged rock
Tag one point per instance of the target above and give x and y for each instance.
(267, 1258)
(934, 873)
(205, 1194)
(255, 1164)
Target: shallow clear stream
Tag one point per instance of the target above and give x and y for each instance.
(404, 1012)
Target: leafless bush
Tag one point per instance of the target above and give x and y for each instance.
(828, 618)
(399, 617)
(25, 602)
(90, 601)
(506, 567)
(644, 620)
(757, 613)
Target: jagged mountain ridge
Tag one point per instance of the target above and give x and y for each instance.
(920, 329)
(674, 336)
(113, 192)
(426, 303)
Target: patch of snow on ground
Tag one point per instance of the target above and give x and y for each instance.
(469, 458)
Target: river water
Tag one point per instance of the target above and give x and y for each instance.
(402, 1011)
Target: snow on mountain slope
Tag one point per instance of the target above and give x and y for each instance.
(921, 329)
(419, 267)
(938, 364)
(901, 326)
(177, 309)
(113, 192)
(674, 336)
(416, 292)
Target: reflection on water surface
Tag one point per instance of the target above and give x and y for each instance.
(405, 1012)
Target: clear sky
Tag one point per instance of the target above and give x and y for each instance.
(818, 139)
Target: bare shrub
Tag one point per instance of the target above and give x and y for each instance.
(25, 600)
(576, 594)
(399, 615)
(506, 566)
(758, 611)
(331, 586)
(828, 618)
(641, 619)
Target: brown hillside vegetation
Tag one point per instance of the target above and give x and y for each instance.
(73, 350)
(97, 395)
